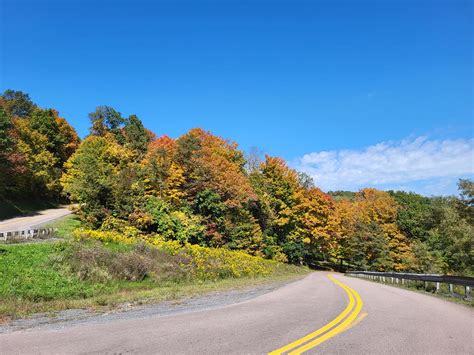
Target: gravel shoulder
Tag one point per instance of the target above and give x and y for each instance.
(136, 310)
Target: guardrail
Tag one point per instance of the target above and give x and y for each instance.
(407, 278)
(26, 234)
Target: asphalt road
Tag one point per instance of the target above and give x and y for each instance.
(33, 220)
(390, 321)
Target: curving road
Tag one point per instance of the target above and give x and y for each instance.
(378, 319)
(33, 220)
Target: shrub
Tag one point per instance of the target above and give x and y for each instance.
(119, 225)
(172, 224)
(92, 260)
(194, 260)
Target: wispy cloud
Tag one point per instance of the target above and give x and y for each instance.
(419, 164)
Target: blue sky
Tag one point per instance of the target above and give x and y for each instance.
(298, 79)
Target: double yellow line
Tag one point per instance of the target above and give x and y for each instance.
(336, 326)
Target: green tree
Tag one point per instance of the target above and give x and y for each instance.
(369, 248)
(6, 149)
(415, 215)
(453, 236)
(91, 177)
(37, 168)
(136, 136)
(173, 224)
(466, 188)
(466, 203)
(427, 260)
(17, 103)
(105, 120)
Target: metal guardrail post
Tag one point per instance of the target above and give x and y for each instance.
(428, 281)
(26, 234)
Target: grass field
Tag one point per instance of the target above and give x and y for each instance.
(57, 275)
(65, 225)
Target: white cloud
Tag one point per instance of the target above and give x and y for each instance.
(422, 165)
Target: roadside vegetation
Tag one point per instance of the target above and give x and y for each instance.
(200, 189)
(34, 145)
(65, 226)
(159, 217)
(91, 273)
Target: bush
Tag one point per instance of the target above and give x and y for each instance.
(196, 261)
(121, 226)
(92, 260)
(172, 224)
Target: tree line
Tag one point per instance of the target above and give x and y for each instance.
(201, 189)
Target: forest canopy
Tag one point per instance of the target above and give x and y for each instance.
(202, 189)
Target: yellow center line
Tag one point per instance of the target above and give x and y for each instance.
(338, 329)
(342, 326)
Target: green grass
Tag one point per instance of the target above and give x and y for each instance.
(65, 225)
(31, 282)
(26, 273)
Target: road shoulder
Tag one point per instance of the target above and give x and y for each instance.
(202, 301)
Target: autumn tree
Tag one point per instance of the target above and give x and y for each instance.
(96, 178)
(317, 222)
(210, 162)
(164, 176)
(46, 142)
(35, 144)
(374, 212)
(296, 218)
(200, 188)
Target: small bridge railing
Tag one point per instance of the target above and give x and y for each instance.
(26, 234)
(407, 278)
